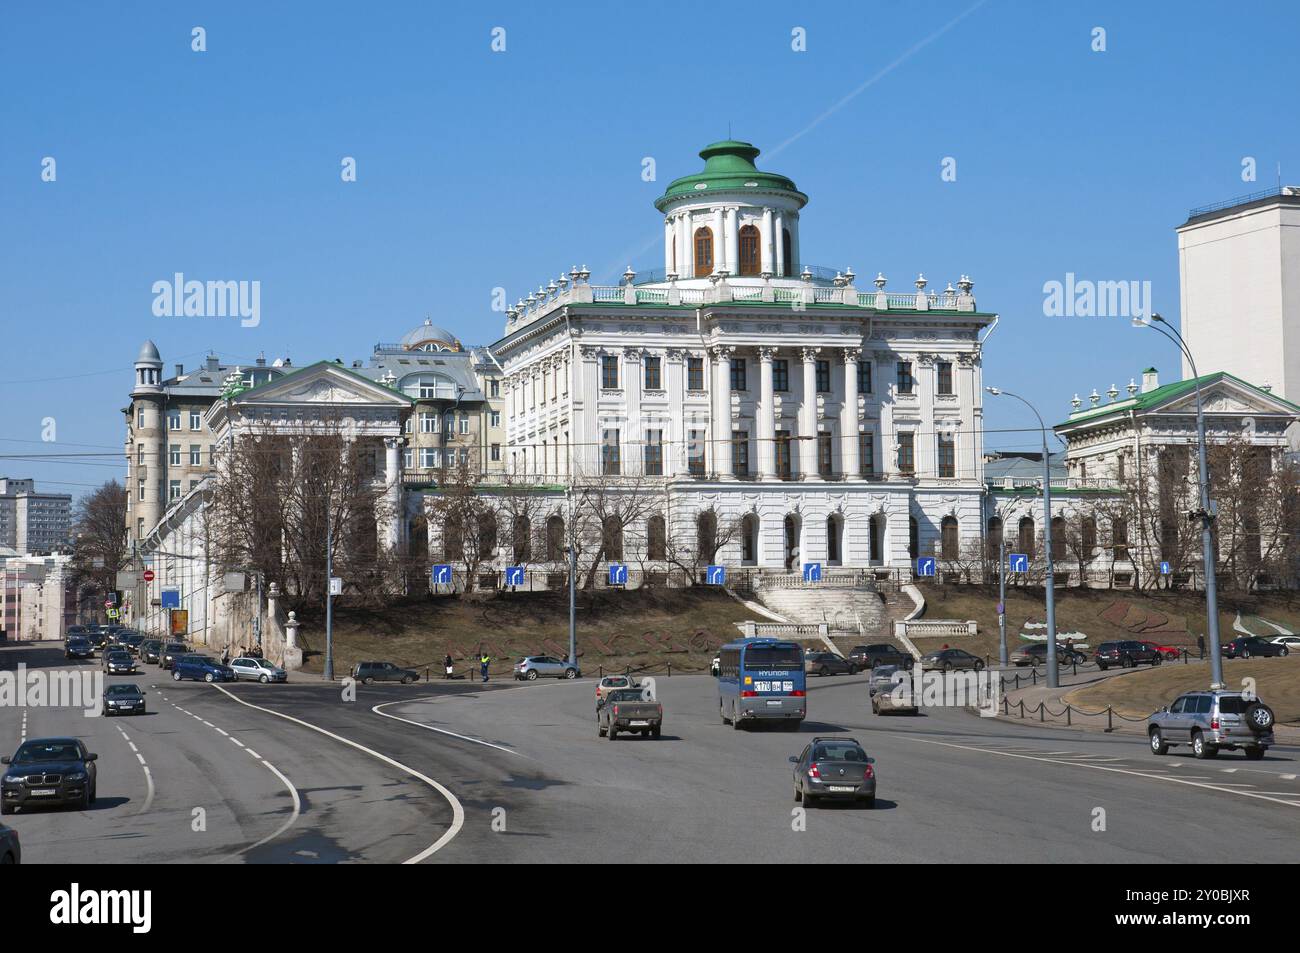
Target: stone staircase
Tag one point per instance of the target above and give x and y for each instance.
(855, 614)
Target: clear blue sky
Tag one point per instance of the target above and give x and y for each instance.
(478, 169)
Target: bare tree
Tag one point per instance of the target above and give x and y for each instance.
(608, 518)
(466, 519)
(101, 549)
(694, 540)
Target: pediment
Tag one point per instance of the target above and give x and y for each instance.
(324, 384)
(1228, 397)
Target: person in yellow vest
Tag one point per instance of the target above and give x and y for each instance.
(483, 665)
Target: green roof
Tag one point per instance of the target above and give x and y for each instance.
(1167, 392)
(728, 166)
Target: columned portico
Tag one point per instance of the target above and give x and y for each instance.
(808, 416)
(721, 432)
(764, 412)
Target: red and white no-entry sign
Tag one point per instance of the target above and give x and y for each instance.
(148, 575)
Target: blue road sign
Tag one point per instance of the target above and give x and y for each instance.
(812, 572)
(925, 566)
(716, 575)
(171, 598)
(1018, 562)
(441, 575)
(514, 575)
(1166, 569)
(617, 574)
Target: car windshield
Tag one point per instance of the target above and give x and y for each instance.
(118, 657)
(199, 660)
(885, 671)
(39, 751)
(838, 751)
(114, 691)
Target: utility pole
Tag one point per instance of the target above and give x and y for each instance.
(573, 579)
(1002, 601)
(329, 596)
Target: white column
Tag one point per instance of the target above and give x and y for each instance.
(766, 422)
(668, 245)
(719, 242)
(793, 225)
(769, 258)
(808, 416)
(778, 237)
(392, 525)
(733, 240)
(685, 246)
(849, 415)
(720, 432)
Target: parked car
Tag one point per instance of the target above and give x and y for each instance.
(118, 662)
(367, 672)
(1252, 646)
(834, 768)
(890, 689)
(828, 663)
(609, 683)
(1290, 641)
(948, 659)
(201, 668)
(78, 646)
(1210, 721)
(532, 667)
(171, 651)
(11, 851)
(880, 653)
(150, 650)
(1036, 654)
(48, 771)
(123, 700)
(625, 710)
(1169, 652)
(1125, 654)
(258, 670)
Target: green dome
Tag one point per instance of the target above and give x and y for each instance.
(729, 166)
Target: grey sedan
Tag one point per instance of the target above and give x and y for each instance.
(532, 667)
(890, 689)
(828, 663)
(834, 768)
(948, 659)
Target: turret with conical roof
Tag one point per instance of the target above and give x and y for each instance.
(730, 218)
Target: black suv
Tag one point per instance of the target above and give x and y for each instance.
(1036, 654)
(78, 647)
(880, 653)
(48, 771)
(1125, 654)
(1252, 646)
(367, 672)
(828, 663)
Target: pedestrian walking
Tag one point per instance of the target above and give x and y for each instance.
(483, 665)
(1200, 645)
(225, 656)
(447, 666)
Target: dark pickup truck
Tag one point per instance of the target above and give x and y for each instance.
(627, 709)
(880, 653)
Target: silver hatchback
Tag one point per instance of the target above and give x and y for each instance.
(532, 667)
(1210, 721)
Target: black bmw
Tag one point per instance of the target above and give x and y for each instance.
(48, 771)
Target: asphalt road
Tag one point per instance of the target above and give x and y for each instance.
(458, 772)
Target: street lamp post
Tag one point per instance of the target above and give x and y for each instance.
(1053, 667)
(1207, 512)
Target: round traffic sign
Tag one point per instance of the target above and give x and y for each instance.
(148, 575)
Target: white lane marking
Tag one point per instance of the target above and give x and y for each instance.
(457, 811)
(148, 775)
(443, 731)
(208, 723)
(254, 753)
(1228, 770)
(220, 732)
(1102, 767)
(297, 810)
(238, 742)
(23, 739)
(1287, 777)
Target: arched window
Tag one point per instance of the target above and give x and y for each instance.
(523, 529)
(703, 252)
(452, 540)
(1088, 537)
(555, 538)
(995, 536)
(706, 530)
(787, 252)
(1025, 536)
(750, 259)
(791, 532)
(487, 536)
(913, 538)
(1119, 538)
(834, 526)
(948, 538)
(656, 538)
(1058, 537)
(612, 539)
(749, 540)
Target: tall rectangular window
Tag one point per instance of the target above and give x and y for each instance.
(174, 490)
(494, 418)
(780, 375)
(139, 454)
(653, 377)
(864, 377)
(139, 418)
(196, 420)
(429, 458)
(947, 456)
(695, 453)
(740, 453)
(608, 372)
(408, 459)
(428, 423)
(140, 489)
(494, 388)
(609, 452)
(866, 454)
(196, 455)
(783, 468)
(695, 373)
(174, 455)
(823, 377)
(738, 374)
(824, 461)
(905, 377)
(945, 378)
(173, 420)
(495, 453)
(906, 452)
(654, 453)
(464, 423)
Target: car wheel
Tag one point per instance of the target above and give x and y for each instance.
(264, 679)
(1254, 754)
(600, 732)
(875, 708)
(979, 666)
(1245, 653)
(735, 720)
(612, 732)
(798, 795)
(405, 680)
(532, 675)
(1126, 662)
(947, 666)
(722, 713)
(1201, 748)
(6, 808)
(1158, 745)
(654, 732)
(84, 803)
(1158, 659)
(1101, 666)
(94, 792)
(209, 678)
(823, 671)
(570, 673)
(869, 802)
(1284, 652)
(176, 676)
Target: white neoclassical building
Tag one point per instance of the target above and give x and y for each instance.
(838, 425)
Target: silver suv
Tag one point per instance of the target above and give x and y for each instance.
(1213, 720)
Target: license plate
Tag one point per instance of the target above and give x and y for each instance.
(44, 792)
(774, 701)
(838, 787)
(638, 724)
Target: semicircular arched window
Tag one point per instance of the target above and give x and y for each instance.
(703, 252)
(750, 258)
